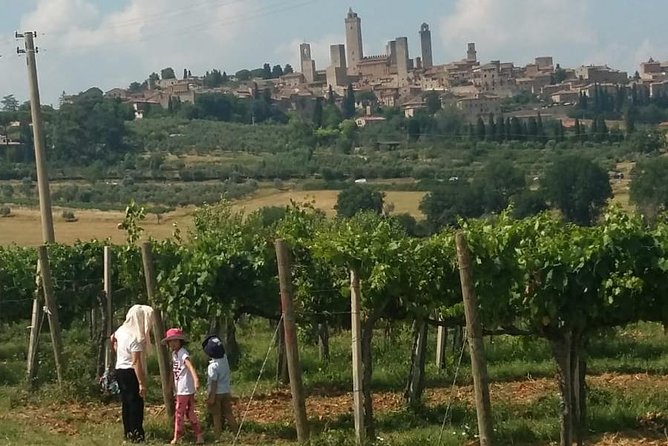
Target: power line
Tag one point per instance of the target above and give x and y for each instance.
(170, 13)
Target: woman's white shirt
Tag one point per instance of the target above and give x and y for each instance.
(126, 345)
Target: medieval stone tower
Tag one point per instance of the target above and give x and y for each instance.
(307, 63)
(337, 54)
(353, 40)
(402, 58)
(425, 41)
(471, 54)
(337, 73)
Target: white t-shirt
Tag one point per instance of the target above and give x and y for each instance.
(219, 371)
(126, 344)
(184, 382)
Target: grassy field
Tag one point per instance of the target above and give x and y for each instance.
(24, 227)
(628, 390)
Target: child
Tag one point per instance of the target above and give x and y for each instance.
(186, 384)
(219, 398)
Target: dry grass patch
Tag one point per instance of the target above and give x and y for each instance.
(25, 227)
(403, 202)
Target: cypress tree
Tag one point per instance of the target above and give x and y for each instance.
(540, 131)
(317, 113)
(603, 129)
(630, 120)
(491, 128)
(501, 129)
(532, 129)
(525, 131)
(349, 103)
(480, 129)
(471, 132)
(330, 96)
(515, 129)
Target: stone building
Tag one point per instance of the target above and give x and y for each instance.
(653, 70)
(545, 63)
(354, 49)
(374, 66)
(601, 74)
(658, 89)
(565, 97)
(495, 77)
(293, 79)
(425, 45)
(480, 105)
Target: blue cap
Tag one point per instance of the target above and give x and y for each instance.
(213, 347)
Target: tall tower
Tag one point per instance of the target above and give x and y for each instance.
(353, 40)
(471, 54)
(402, 58)
(425, 40)
(392, 52)
(337, 74)
(307, 63)
(337, 54)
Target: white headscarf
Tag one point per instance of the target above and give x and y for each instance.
(139, 322)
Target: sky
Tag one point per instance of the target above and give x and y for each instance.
(110, 43)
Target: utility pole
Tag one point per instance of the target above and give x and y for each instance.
(48, 235)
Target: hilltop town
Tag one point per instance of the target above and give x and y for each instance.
(395, 79)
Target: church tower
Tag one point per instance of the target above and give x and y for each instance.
(353, 40)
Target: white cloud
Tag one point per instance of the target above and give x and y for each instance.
(141, 37)
(516, 26)
(58, 15)
(645, 50)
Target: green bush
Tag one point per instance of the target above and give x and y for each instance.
(69, 216)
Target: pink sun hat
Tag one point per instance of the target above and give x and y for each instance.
(174, 334)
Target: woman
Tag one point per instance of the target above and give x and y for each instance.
(131, 342)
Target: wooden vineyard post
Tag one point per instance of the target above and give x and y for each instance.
(291, 347)
(51, 309)
(158, 331)
(109, 307)
(35, 328)
(441, 340)
(416, 379)
(474, 332)
(358, 399)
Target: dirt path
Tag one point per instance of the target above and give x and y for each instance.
(276, 407)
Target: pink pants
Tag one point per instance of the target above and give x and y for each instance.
(185, 408)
